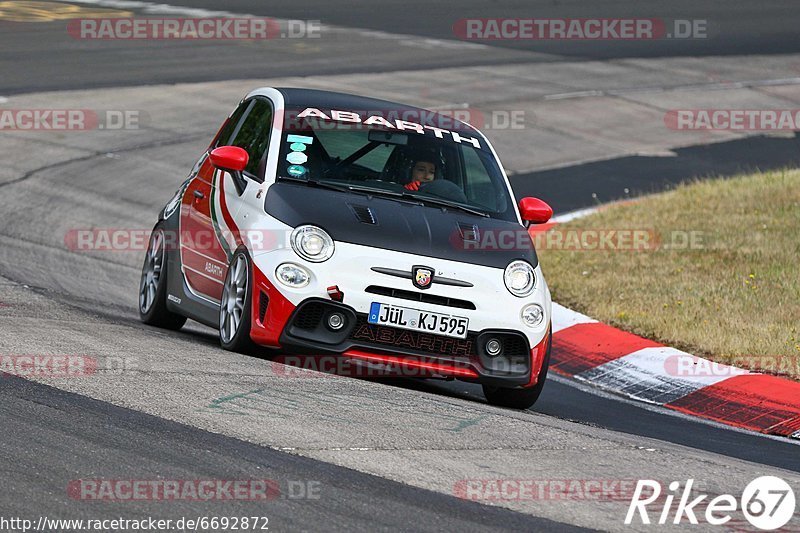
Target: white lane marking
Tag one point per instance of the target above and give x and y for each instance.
(564, 318)
(658, 375)
(152, 8)
(574, 215)
(575, 94)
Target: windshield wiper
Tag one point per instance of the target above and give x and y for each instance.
(316, 183)
(403, 196)
(406, 196)
(441, 202)
(349, 188)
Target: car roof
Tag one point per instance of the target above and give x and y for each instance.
(295, 98)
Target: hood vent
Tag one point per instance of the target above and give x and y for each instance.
(363, 214)
(469, 232)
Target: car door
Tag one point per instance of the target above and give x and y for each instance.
(209, 235)
(204, 261)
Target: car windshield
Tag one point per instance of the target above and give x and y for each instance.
(434, 166)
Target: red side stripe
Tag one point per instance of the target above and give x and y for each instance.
(585, 346)
(763, 403)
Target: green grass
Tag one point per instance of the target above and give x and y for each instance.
(735, 296)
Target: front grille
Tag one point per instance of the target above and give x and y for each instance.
(309, 316)
(515, 345)
(420, 297)
(371, 335)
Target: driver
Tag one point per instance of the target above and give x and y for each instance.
(423, 171)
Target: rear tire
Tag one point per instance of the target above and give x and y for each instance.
(235, 307)
(520, 398)
(153, 285)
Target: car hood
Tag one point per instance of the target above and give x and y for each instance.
(402, 226)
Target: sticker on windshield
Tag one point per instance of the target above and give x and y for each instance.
(296, 170)
(393, 122)
(296, 158)
(299, 139)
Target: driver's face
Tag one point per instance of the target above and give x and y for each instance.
(423, 171)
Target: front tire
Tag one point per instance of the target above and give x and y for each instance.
(235, 305)
(153, 285)
(520, 398)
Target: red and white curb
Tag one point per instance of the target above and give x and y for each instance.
(644, 370)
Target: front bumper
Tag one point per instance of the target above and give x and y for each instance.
(412, 353)
(294, 319)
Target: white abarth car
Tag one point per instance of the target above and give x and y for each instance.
(338, 225)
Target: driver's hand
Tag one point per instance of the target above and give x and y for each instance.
(413, 186)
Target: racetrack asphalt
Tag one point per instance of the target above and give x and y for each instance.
(60, 438)
(407, 35)
(425, 436)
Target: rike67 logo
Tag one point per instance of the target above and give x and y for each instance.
(767, 503)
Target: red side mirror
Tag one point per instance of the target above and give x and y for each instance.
(229, 158)
(534, 210)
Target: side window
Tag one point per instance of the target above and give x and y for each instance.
(226, 134)
(253, 135)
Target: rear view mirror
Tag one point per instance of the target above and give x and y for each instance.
(534, 210)
(229, 158)
(388, 137)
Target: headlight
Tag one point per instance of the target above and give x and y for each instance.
(292, 275)
(312, 243)
(532, 315)
(519, 278)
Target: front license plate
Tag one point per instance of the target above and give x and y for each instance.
(403, 317)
